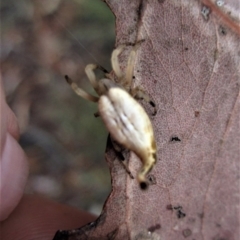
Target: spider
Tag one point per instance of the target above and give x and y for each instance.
(126, 120)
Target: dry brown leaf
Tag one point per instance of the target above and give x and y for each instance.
(189, 63)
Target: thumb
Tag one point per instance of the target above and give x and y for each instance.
(13, 162)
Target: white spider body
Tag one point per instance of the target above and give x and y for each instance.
(129, 125)
(124, 117)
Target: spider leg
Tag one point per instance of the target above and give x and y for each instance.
(119, 152)
(101, 86)
(131, 63)
(80, 92)
(89, 70)
(125, 79)
(126, 168)
(96, 114)
(130, 67)
(140, 94)
(102, 69)
(115, 63)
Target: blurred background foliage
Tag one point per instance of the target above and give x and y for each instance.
(41, 41)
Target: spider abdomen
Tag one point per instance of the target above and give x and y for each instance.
(129, 125)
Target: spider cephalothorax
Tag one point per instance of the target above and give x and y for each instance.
(124, 117)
